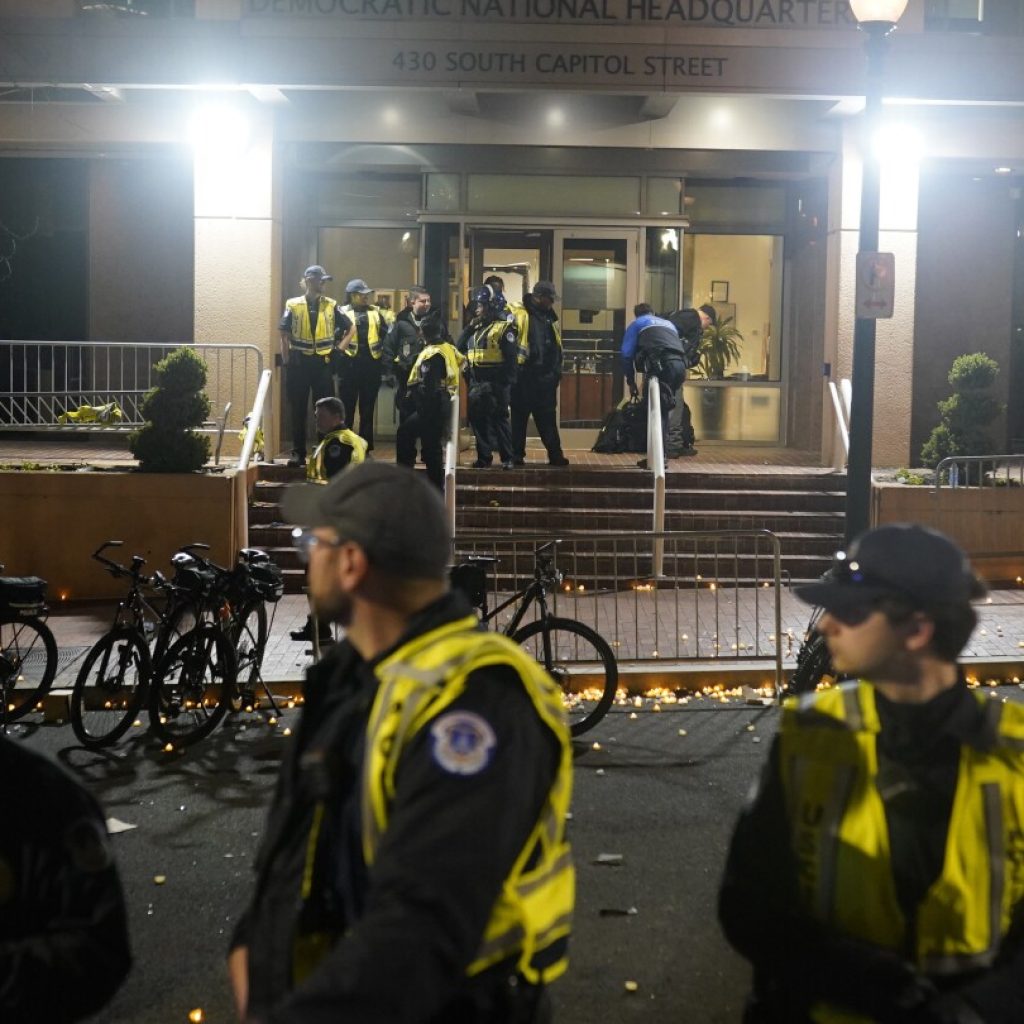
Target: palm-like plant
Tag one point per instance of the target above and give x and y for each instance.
(719, 346)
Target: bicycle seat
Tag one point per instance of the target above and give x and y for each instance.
(466, 559)
(253, 556)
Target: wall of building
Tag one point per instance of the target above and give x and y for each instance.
(141, 250)
(964, 290)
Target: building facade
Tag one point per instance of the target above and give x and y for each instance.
(167, 169)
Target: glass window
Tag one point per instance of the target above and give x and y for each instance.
(664, 197)
(386, 258)
(741, 276)
(541, 194)
(736, 207)
(443, 193)
(368, 197)
(661, 284)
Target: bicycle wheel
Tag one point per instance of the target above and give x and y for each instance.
(192, 686)
(111, 688)
(28, 663)
(181, 617)
(580, 661)
(249, 633)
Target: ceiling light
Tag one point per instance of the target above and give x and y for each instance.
(1004, 170)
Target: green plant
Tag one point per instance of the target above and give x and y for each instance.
(168, 443)
(967, 416)
(719, 346)
(905, 476)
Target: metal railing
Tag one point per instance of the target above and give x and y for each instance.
(656, 464)
(451, 461)
(979, 471)
(255, 419)
(718, 598)
(41, 380)
(841, 397)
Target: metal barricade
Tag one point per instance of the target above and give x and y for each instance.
(41, 380)
(451, 460)
(979, 471)
(719, 598)
(656, 464)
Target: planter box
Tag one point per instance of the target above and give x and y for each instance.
(53, 521)
(987, 522)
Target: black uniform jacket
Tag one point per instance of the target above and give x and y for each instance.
(404, 342)
(798, 961)
(63, 928)
(411, 925)
(545, 359)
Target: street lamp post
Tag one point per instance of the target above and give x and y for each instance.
(876, 18)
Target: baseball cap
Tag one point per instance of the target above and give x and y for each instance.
(357, 284)
(545, 290)
(902, 560)
(708, 310)
(392, 512)
(317, 271)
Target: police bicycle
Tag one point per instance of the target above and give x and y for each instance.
(215, 666)
(577, 657)
(28, 652)
(111, 686)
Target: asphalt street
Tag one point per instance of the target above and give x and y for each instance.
(659, 794)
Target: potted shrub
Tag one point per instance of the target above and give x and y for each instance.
(718, 348)
(168, 443)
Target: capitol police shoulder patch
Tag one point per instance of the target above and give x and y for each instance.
(463, 742)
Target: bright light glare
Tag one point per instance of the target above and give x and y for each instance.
(878, 10)
(218, 128)
(556, 117)
(390, 115)
(669, 240)
(721, 118)
(898, 144)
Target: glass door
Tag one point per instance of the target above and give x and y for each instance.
(596, 274)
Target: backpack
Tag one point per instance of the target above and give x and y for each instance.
(691, 339)
(624, 429)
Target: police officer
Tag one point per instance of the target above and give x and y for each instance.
(878, 874)
(311, 328)
(339, 448)
(63, 926)
(359, 362)
(433, 378)
(535, 392)
(491, 346)
(414, 866)
(651, 346)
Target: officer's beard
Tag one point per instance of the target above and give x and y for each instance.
(336, 607)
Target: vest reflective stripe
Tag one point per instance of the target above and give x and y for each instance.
(453, 360)
(315, 471)
(484, 348)
(532, 916)
(302, 337)
(377, 322)
(522, 317)
(840, 836)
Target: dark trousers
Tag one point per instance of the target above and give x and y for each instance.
(305, 374)
(358, 384)
(489, 416)
(536, 397)
(427, 425)
(671, 375)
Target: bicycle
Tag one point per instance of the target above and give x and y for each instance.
(215, 666)
(111, 686)
(28, 651)
(572, 653)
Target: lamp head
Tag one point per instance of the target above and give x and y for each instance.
(886, 12)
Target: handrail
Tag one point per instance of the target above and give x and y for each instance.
(841, 417)
(656, 464)
(951, 467)
(255, 419)
(451, 462)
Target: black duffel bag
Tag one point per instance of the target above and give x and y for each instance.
(22, 595)
(267, 581)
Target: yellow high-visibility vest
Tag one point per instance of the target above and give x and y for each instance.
(840, 838)
(377, 322)
(485, 343)
(322, 342)
(453, 361)
(315, 472)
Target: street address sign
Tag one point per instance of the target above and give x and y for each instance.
(876, 285)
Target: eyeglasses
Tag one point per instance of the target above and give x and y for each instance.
(304, 540)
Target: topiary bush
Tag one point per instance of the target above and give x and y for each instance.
(168, 443)
(967, 415)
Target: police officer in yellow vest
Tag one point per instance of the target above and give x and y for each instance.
(311, 328)
(433, 378)
(878, 874)
(414, 866)
(490, 343)
(359, 363)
